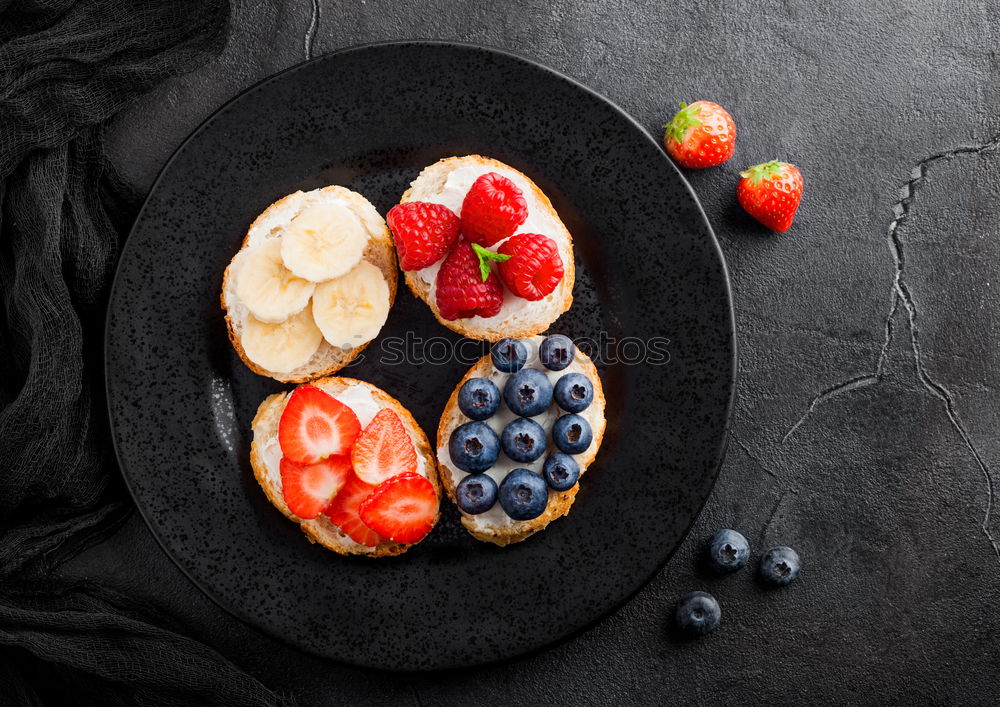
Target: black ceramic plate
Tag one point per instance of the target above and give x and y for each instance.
(370, 118)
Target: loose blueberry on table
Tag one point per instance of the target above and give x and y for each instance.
(697, 613)
(779, 566)
(727, 551)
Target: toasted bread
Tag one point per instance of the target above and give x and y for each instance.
(518, 318)
(265, 454)
(494, 526)
(379, 252)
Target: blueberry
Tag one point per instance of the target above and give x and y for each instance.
(572, 434)
(523, 440)
(474, 447)
(556, 352)
(779, 566)
(561, 471)
(574, 392)
(727, 551)
(523, 494)
(476, 493)
(697, 613)
(509, 355)
(528, 393)
(478, 398)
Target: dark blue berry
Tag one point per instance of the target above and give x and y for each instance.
(561, 471)
(478, 398)
(523, 440)
(476, 493)
(727, 551)
(523, 494)
(779, 566)
(509, 355)
(528, 393)
(572, 434)
(697, 614)
(474, 446)
(556, 352)
(574, 392)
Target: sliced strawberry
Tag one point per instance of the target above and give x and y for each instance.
(315, 425)
(402, 508)
(384, 449)
(309, 488)
(343, 512)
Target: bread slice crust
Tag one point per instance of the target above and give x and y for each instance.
(379, 252)
(321, 530)
(559, 503)
(437, 173)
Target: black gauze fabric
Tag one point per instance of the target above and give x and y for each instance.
(66, 67)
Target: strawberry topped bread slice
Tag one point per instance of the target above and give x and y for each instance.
(349, 464)
(518, 433)
(311, 285)
(483, 247)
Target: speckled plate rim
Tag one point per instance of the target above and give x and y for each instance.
(714, 246)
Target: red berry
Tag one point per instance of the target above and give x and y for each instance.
(771, 192)
(402, 508)
(344, 512)
(492, 210)
(423, 232)
(384, 449)
(534, 268)
(315, 425)
(309, 488)
(700, 135)
(461, 290)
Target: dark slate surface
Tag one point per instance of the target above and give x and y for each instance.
(865, 424)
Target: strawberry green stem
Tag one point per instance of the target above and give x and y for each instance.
(764, 170)
(685, 119)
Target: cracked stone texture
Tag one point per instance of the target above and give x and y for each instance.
(884, 486)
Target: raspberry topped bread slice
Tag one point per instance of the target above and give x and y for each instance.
(349, 464)
(517, 434)
(483, 247)
(311, 285)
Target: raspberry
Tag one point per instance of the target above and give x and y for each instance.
(423, 232)
(461, 290)
(492, 210)
(534, 268)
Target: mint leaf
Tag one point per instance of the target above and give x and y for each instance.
(485, 256)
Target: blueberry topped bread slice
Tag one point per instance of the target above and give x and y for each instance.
(518, 432)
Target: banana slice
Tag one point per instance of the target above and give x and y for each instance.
(351, 309)
(323, 242)
(282, 347)
(268, 289)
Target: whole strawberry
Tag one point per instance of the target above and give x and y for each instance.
(771, 192)
(700, 135)
(492, 210)
(466, 285)
(423, 232)
(534, 267)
